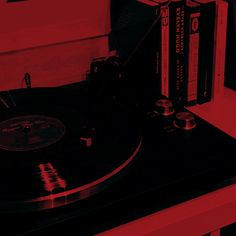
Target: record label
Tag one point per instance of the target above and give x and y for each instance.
(28, 133)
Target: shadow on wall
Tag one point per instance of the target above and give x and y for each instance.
(130, 21)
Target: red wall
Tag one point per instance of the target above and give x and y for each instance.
(38, 22)
(53, 40)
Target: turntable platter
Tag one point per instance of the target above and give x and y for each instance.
(53, 153)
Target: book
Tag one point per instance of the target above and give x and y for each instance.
(230, 63)
(212, 73)
(192, 52)
(177, 50)
(162, 44)
(220, 49)
(142, 66)
(206, 51)
(164, 50)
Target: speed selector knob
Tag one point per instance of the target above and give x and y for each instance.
(164, 107)
(185, 120)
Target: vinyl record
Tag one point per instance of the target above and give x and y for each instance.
(55, 151)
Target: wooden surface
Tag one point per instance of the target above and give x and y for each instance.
(52, 65)
(220, 112)
(196, 217)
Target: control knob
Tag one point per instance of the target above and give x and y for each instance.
(164, 107)
(185, 120)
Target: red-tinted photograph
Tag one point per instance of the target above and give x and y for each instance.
(118, 117)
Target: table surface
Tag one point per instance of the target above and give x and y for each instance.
(220, 112)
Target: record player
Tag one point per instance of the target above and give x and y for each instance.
(86, 157)
(80, 159)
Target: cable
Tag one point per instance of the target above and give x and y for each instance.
(166, 4)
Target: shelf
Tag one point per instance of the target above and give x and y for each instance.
(195, 217)
(220, 112)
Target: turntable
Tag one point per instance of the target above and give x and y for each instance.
(75, 161)
(54, 152)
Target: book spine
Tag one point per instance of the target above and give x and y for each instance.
(177, 51)
(148, 2)
(206, 52)
(156, 56)
(165, 51)
(230, 68)
(192, 58)
(220, 49)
